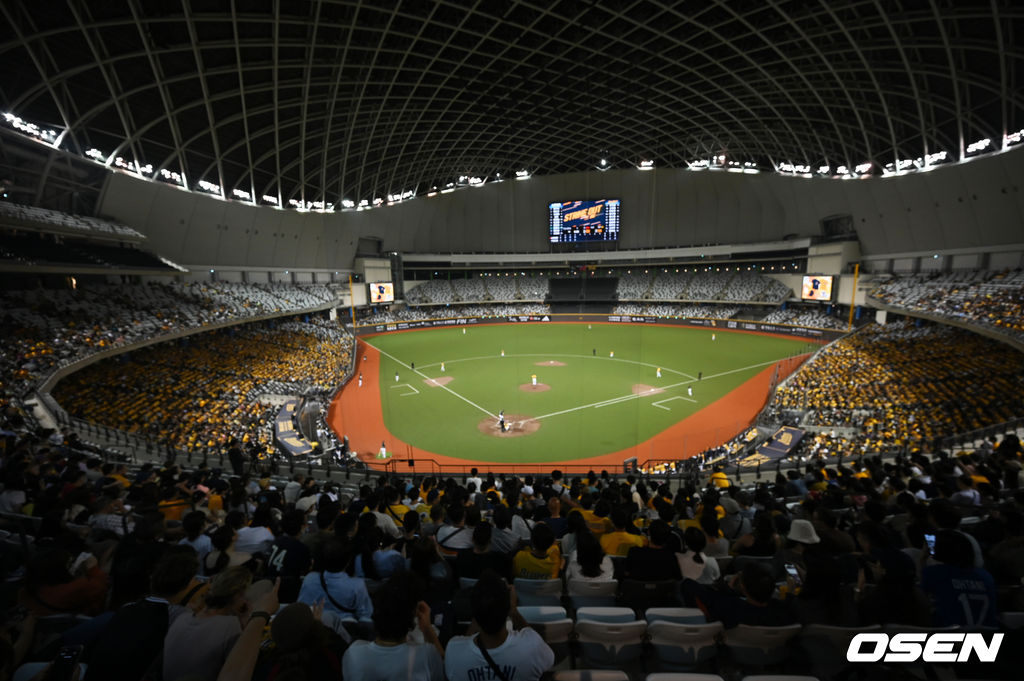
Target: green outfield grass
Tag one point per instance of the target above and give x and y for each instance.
(590, 409)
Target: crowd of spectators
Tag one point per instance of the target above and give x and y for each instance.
(804, 317)
(435, 291)
(905, 383)
(202, 392)
(634, 286)
(478, 289)
(994, 300)
(43, 328)
(706, 285)
(751, 286)
(501, 288)
(676, 310)
(469, 289)
(392, 315)
(80, 223)
(198, 574)
(532, 288)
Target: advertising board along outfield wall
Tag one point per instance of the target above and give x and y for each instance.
(813, 334)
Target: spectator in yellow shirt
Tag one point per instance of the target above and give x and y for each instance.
(542, 560)
(719, 479)
(597, 524)
(619, 542)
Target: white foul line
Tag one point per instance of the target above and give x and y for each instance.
(625, 398)
(676, 397)
(406, 385)
(420, 373)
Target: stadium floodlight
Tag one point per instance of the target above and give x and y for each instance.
(209, 187)
(476, 181)
(863, 168)
(172, 176)
(95, 153)
(522, 174)
(241, 194)
(646, 165)
(348, 203)
(937, 157)
(979, 146)
(824, 170)
(270, 199)
(1013, 138)
(364, 203)
(842, 170)
(146, 169)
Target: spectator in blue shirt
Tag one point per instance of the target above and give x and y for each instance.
(963, 595)
(339, 592)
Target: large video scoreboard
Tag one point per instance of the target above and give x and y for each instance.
(574, 221)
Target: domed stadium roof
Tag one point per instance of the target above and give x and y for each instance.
(299, 102)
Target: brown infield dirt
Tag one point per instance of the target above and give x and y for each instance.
(641, 389)
(530, 388)
(550, 363)
(521, 425)
(437, 382)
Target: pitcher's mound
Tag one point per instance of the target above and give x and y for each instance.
(550, 363)
(642, 390)
(436, 382)
(530, 388)
(519, 424)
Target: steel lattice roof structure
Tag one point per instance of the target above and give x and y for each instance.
(343, 100)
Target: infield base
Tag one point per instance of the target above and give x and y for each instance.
(520, 425)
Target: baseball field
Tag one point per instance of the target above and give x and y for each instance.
(557, 392)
